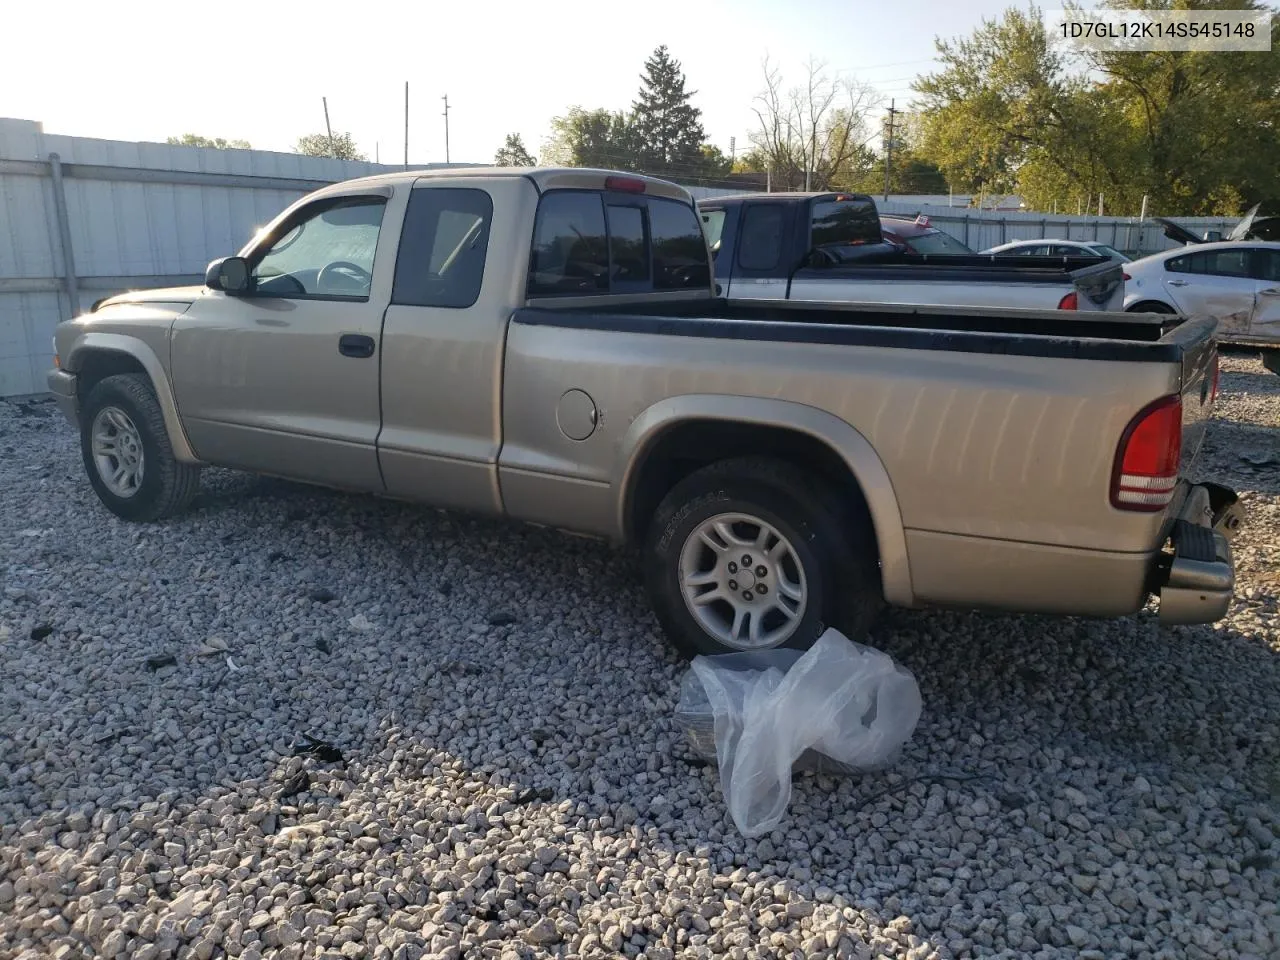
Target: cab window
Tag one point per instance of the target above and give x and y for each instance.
(326, 251)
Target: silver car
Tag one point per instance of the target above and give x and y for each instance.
(1059, 248)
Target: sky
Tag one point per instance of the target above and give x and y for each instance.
(144, 70)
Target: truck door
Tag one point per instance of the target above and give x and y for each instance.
(443, 341)
(284, 378)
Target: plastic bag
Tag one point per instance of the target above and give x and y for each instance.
(839, 707)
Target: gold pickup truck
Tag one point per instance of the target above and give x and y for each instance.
(550, 345)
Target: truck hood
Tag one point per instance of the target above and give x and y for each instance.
(183, 296)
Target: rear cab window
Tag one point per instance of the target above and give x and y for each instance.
(843, 222)
(443, 246)
(594, 242)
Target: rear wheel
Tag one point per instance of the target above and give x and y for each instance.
(753, 554)
(127, 454)
(1150, 306)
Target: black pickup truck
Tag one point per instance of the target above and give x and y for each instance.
(829, 247)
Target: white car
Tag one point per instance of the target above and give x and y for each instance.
(1059, 248)
(1236, 281)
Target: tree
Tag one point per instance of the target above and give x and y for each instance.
(513, 153)
(810, 135)
(340, 145)
(591, 138)
(1196, 132)
(908, 172)
(667, 128)
(217, 143)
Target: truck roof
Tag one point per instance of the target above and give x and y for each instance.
(544, 178)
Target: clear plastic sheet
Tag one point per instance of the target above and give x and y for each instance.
(839, 707)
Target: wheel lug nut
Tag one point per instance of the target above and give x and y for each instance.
(747, 595)
(733, 584)
(746, 559)
(733, 567)
(761, 571)
(761, 589)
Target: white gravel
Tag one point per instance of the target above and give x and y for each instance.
(514, 785)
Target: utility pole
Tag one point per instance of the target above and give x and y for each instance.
(888, 149)
(377, 154)
(733, 149)
(406, 124)
(328, 129)
(445, 98)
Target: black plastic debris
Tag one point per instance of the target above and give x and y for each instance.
(295, 785)
(502, 618)
(528, 796)
(324, 646)
(322, 750)
(161, 660)
(40, 632)
(321, 595)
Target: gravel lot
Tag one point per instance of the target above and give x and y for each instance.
(512, 784)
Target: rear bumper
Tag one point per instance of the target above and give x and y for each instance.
(1196, 582)
(63, 387)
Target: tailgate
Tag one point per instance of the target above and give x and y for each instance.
(1199, 391)
(1099, 287)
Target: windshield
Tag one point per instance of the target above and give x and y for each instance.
(936, 241)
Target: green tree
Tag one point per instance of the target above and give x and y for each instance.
(513, 153)
(1012, 111)
(667, 128)
(591, 138)
(340, 145)
(1204, 127)
(217, 143)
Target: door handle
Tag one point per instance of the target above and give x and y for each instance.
(1177, 283)
(355, 345)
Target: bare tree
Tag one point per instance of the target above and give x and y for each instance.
(817, 133)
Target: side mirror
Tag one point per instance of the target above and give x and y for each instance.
(228, 274)
(1212, 236)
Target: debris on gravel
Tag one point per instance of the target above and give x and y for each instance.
(1073, 788)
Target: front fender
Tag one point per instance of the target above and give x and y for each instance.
(850, 445)
(98, 341)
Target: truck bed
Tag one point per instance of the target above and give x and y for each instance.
(1039, 333)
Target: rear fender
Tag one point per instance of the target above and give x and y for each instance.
(851, 446)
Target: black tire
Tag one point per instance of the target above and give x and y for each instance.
(1150, 306)
(167, 486)
(831, 538)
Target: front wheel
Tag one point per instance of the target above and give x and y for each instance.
(127, 454)
(753, 554)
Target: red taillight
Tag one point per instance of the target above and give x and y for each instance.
(1069, 302)
(624, 184)
(1147, 461)
(1125, 276)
